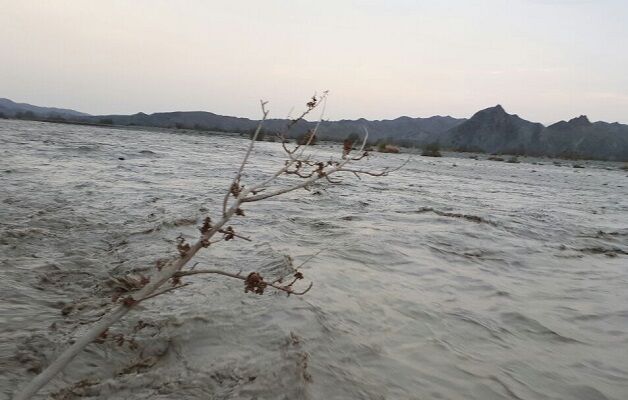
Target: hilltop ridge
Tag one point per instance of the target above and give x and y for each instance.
(491, 130)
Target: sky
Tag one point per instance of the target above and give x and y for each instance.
(545, 60)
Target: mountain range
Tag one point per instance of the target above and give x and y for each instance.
(491, 130)
(10, 108)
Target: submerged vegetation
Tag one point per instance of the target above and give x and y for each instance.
(432, 150)
(384, 147)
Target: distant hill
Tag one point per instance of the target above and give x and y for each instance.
(491, 130)
(579, 138)
(10, 109)
(402, 130)
(411, 130)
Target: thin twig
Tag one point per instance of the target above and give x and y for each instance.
(296, 269)
(236, 178)
(307, 182)
(287, 288)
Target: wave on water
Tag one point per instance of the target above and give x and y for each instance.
(453, 278)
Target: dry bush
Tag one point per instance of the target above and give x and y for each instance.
(168, 274)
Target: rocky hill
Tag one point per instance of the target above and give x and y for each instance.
(406, 129)
(580, 138)
(494, 131)
(11, 109)
(491, 130)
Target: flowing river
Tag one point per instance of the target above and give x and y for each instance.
(452, 278)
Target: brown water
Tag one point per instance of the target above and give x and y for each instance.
(452, 279)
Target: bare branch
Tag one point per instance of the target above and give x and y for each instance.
(160, 277)
(236, 178)
(303, 292)
(232, 233)
(311, 137)
(322, 174)
(366, 137)
(208, 271)
(311, 106)
(359, 172)
(287, 288)
(296, 269)
(172, 270)
(309, 258)
(300, 185)
(289, 152)
(386, 171)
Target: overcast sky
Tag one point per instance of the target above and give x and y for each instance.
(545, 60)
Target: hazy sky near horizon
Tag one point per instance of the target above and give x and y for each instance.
(545, 60)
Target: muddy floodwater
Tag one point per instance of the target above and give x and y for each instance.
(453, 278)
